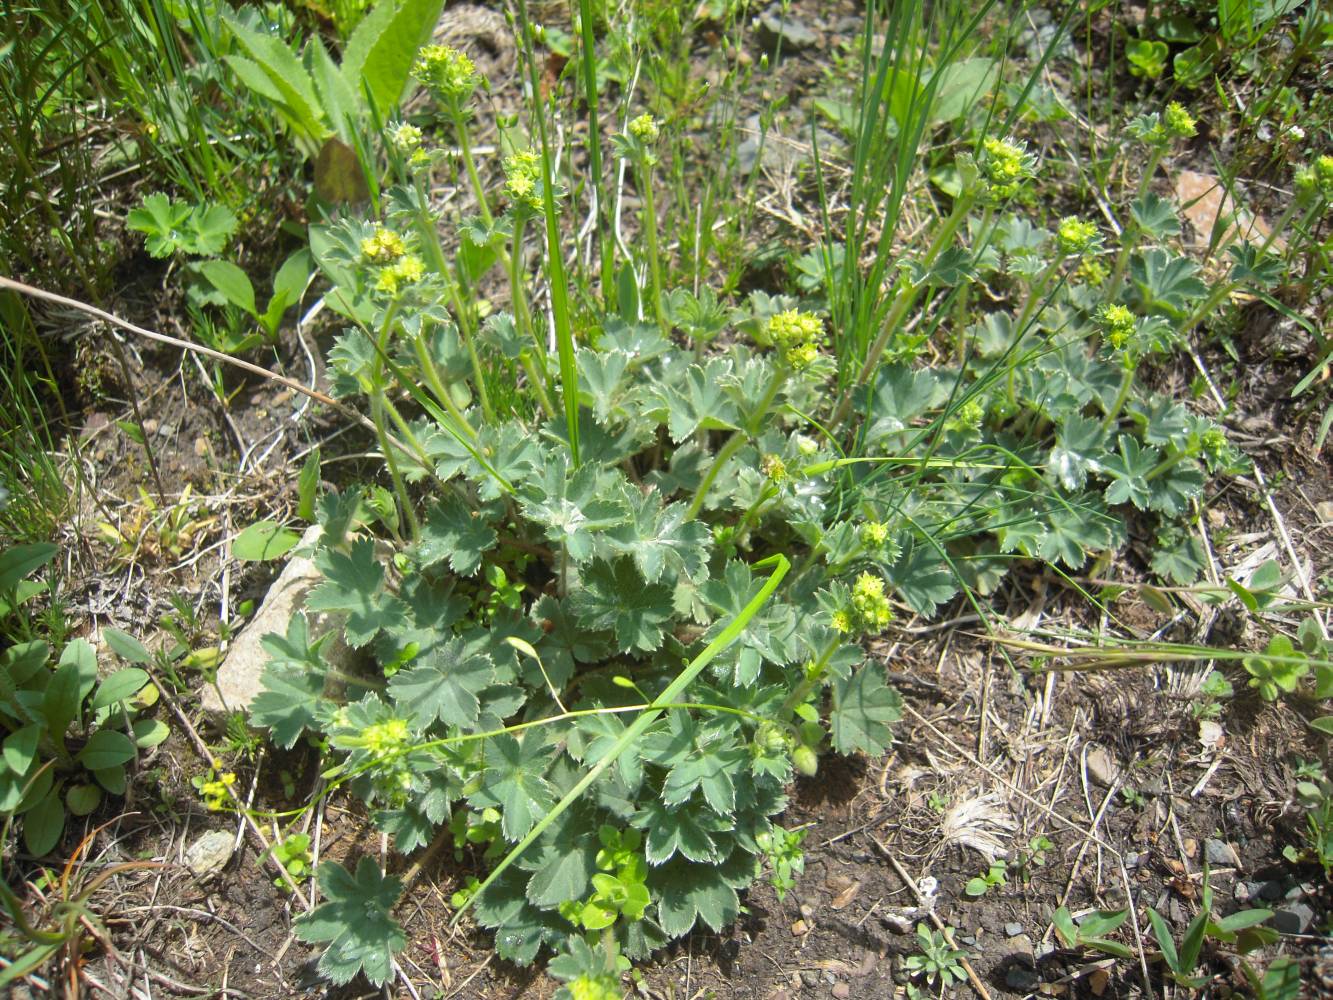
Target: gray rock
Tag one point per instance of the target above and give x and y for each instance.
(1013, 930)
(782, 30)
(1102, 767)
(1220, 854)
(238, 676)
(1270, 890)
(1294, 918)
(210, 852)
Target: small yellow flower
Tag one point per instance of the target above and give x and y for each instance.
(405, 138)
(774, 469)
(1117, 325)
(522, 171)
(797, 335)
(874, 534)
(1005, 164)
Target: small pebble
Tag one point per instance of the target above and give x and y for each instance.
(1013, 930)
(842, 991)
(210, 852)
(1220, 854)
(1294, 918)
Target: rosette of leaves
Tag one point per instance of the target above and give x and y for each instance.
(69, 734)
(620, 565)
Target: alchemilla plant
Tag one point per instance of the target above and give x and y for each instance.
(634, 568)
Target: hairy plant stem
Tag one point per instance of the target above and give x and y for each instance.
(588, 64)
(469, 164)
(1121, 397)
(650, 230)
(1129, 237)
(814, 674)
(378, 402)
(734, 443)
(904, 297)
(430, 238)
(518, 292)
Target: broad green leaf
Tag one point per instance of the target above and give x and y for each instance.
(307, 487)
(263, 541)
(106, 749)
(960, 85)
(231, 281)
(43, 824)
(60, 702)
(284, 74)
(18, 561)
(20, 747)
(112, 779)
(126, 646)
(342, 106)
(80, 800)
(864, 711)
(149, 733)
(120, 686)
(380, 53)
(355, 921)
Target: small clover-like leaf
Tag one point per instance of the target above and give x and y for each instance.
(356, 921)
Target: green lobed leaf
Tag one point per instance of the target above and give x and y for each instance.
(445, 685)
(514, 781)
(356, 921)
(688, 892)
(454, 531)
(352, 584)
(864, 711)
(291, 684)
(615, 597)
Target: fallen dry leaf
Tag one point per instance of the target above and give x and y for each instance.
(841, 900)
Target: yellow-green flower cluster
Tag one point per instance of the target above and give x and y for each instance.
(1179, 122)
(797, 335)
(774, 469)
(645, 129)
(383, 246)
(1316, 180)
(1117, 326)
(386, 739)
(446, 73)
(407, 271)
(1005, 164)
(405, 138)
(1077, 237)
(967, 416)
(216, 791)
(867, 611)
(595, 988)
(874, 534)
(522, 172)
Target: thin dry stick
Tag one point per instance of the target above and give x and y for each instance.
(185, 345)
(934, 919)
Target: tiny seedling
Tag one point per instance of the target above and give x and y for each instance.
(987, 880)
(937, 960)
(1091, 931)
